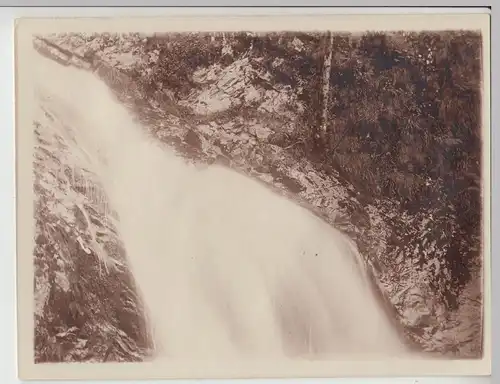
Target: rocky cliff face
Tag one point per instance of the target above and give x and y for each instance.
(235, 114)
(87, 306)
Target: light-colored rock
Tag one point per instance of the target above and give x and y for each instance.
(262, 132)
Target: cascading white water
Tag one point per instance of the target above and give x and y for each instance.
(226, 267)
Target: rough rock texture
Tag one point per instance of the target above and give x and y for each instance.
(235, 116)
(85, 297)
(238, 84)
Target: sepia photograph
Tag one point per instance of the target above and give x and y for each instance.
(234, 196)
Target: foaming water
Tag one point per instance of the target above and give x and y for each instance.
(227, 267)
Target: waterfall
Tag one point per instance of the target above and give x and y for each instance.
(226, 267)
